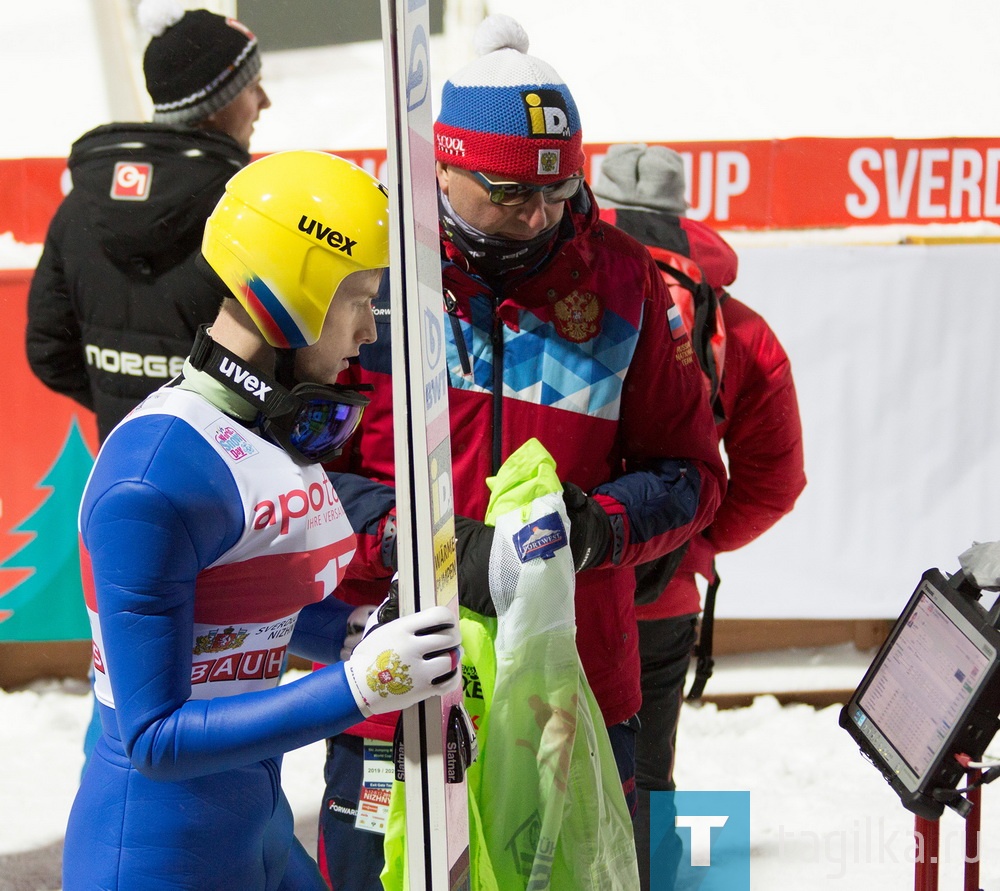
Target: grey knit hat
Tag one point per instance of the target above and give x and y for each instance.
(196, 62)
(642, 177)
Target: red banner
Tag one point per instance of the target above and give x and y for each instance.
(779, 184)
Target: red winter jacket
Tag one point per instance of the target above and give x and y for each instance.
(761, 431)
(583, 355)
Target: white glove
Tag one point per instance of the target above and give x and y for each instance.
(405, 661)
(356, 628)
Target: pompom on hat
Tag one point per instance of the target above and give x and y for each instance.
(642, 177)
(508, 113)
(196, 61)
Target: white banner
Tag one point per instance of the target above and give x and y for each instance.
(895, 358)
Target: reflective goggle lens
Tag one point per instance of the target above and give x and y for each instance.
(323, 425)
(512, 194)
(325, 420)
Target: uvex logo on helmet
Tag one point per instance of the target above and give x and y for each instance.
(326, 233)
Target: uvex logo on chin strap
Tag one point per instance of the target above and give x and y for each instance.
(229, 369)
(311, 422)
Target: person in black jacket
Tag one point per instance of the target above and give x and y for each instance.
(116, 299)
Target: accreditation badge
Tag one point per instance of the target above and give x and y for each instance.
(376, 786)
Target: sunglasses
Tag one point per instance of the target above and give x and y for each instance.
(513, 194)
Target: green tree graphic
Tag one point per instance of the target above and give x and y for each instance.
(48, 604)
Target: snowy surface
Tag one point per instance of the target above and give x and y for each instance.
(821, 816)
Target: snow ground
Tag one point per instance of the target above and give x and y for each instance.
(821, 816)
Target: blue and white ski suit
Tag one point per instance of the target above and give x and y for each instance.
(208, 555)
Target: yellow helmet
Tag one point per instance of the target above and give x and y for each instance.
(289, 229)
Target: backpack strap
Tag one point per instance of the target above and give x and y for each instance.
(706, 307)
(703, 650)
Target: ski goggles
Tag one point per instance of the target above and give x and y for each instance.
(508, 194)
(324, 417)
(311, 421)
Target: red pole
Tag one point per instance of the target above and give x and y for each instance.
(972, 835)
(926, 837)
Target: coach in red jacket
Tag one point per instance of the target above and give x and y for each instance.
(641, 189)
(559, 327)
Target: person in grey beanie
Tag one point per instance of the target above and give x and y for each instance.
(116, 300)
(642, 177)
(641, 189)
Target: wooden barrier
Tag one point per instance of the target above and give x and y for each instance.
(22, 663)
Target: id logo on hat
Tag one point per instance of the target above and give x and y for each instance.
(131, 181)
(548, 117)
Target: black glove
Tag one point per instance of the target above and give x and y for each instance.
(389, 549)
(473, 542)
(590, 528)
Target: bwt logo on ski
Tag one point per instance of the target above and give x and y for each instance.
(331, 236)
(713, 829)
(417, 80)
(547, 114)
(542, 538)
(250, 382)
(131, 181)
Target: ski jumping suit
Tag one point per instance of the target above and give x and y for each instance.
(201, 543)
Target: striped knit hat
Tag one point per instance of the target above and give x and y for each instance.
(196, 62)
(508, 113)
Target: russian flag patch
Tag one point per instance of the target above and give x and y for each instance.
(676, 322)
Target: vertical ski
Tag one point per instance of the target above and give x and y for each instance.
(437, 840)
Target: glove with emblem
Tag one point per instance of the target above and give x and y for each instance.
(406, 660)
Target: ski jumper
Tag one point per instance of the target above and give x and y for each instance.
(208, 554)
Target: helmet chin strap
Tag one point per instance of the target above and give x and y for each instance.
(284, 367)
(267, 395)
